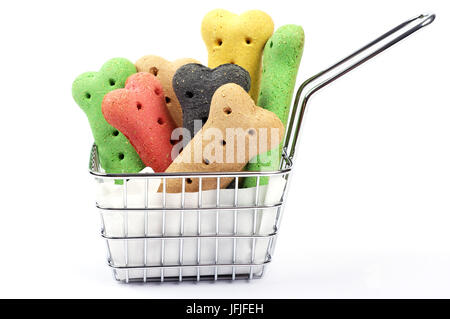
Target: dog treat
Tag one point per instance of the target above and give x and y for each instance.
(116, 154)
(195, 84)
(236, 131)
(281, 59)
(238, 39)
(164, 70)
(139, 112)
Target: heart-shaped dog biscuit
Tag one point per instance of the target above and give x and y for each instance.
(139, 112)
(236, 131)
(239, 39)
(116, 154)
(195, 84)
(164, 70)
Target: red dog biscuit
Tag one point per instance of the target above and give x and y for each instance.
(139, 111)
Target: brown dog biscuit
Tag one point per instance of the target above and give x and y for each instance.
(164, 71)
(236, 131)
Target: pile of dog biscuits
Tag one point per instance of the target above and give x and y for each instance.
(183, 116)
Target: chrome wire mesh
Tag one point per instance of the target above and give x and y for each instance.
(239, 250)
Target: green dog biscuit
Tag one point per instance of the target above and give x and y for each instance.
(281, 59)
(116, 154)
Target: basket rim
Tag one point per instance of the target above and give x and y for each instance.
(94, 170)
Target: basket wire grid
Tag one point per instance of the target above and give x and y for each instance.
(189, 242)
(236, 209)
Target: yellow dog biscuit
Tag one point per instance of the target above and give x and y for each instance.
(239, 39)
(236, 131)
(164, 71)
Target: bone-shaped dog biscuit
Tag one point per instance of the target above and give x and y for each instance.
(164, 70)
(239, 39)
(236, 131)
(116, 154)
(195, 84)
(139, 112)
(281, 60)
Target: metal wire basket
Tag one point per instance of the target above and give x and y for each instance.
(212, 234)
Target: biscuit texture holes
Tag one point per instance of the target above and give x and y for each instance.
(160, 121)
(167, 100)
(139, 106)
(154, 70)
(227, 110)
(189, 180)
(271, 44)
(251, 132)
(157, 91)
(87, 95)
(219, 42)
(112, 82)
(206, 161)
(248, 41)
(115, 133)
(121, 156)
(189, 94)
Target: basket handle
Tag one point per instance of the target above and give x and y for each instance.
(325, 77)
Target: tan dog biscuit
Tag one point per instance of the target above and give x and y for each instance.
(236, 131)
(164, 70)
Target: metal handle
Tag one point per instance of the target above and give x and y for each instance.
(322, 79)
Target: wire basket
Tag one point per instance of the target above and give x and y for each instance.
(210, 234)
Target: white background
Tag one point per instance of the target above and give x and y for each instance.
(369, 210)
